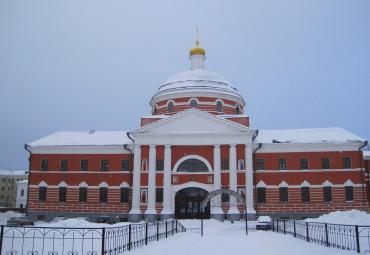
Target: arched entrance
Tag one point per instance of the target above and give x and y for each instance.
(187, 203)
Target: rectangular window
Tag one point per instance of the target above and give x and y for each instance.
(327, 194)
(3, 179)
(304, 163)
(305, 192)
(124, 195)
(82, 196)
(62, 194)
(260, 164)
(282, 163)
(347, 162)
(261, 195)
(159, 195)
(2, 188)
(44, 165)
(349, 193)
(103, 195)
(160, 166)
(325, 163)
(42, 194)
(224, 164)
(64, 165)
(125, 165)
(104, 165)
(84, 165)
(283, 192)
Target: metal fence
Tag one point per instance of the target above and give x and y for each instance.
(346, 237)
(83, 241)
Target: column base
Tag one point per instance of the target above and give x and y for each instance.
(233, 216)
(218, 216)
(151, 217)
(134, 217)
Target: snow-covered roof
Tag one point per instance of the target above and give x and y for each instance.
(312, 135)
(23, 181)
(83, 138)
(13, 172)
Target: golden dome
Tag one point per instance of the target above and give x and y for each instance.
(197, 50)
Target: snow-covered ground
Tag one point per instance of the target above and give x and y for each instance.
(226, 237)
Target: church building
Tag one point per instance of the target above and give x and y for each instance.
(197, 140)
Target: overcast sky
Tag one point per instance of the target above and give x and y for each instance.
(81, 65)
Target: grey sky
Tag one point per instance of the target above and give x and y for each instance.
(80, 65)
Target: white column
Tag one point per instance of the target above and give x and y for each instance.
(232, 164)
(233, 175)
(167, 181)
(135, 209)
(217, 175)
(249, 178)
(151, 181)
(217, 167)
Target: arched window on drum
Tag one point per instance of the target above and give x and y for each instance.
(170, 107)
(193, 103)
(219, 106)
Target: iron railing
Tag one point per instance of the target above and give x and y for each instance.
(83, 241)
(346, 237)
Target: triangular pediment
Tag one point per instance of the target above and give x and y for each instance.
(193, 121)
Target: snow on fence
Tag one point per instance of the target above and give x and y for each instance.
(83, 241)
(346, 237)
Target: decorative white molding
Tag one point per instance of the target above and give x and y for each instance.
(283, 184)
(327, 183)
(205, 161)
(124, 185)
(83, 185)
(305, 184)
(261, 184)
(43, 184)
(63, 184)
(103, 185)
(348, 183)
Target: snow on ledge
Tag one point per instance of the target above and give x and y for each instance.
(311, 135)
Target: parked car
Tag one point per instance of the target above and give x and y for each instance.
(105, 219)
(19, 221)
(264, 223)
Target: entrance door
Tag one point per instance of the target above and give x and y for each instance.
(187, 204)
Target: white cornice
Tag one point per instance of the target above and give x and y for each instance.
(79, 149)
(308, 147)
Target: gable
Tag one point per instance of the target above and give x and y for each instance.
(193, 121)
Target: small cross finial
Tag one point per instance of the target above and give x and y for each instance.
(197, 33)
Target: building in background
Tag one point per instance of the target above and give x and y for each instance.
(197, 140)
(21, 198)
(8, 187)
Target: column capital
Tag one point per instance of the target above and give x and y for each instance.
(232, 145)
(216, 145)
(167, 146)
(152, 146)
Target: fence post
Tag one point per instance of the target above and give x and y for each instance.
(102, 240)
(129, 237)
(326, 234)
(157, 230)
(176, 226)
(357, 239)
(146, 233)
(295, 229)
(1, 239)
(166, 229)
(172, 223)
(277, 225)
(284, 227)
(307, 234)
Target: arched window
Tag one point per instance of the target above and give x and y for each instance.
(155, 110)
(193, 103)
(219, 106)
(237, 109)
(170, 107)
(192, 165)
